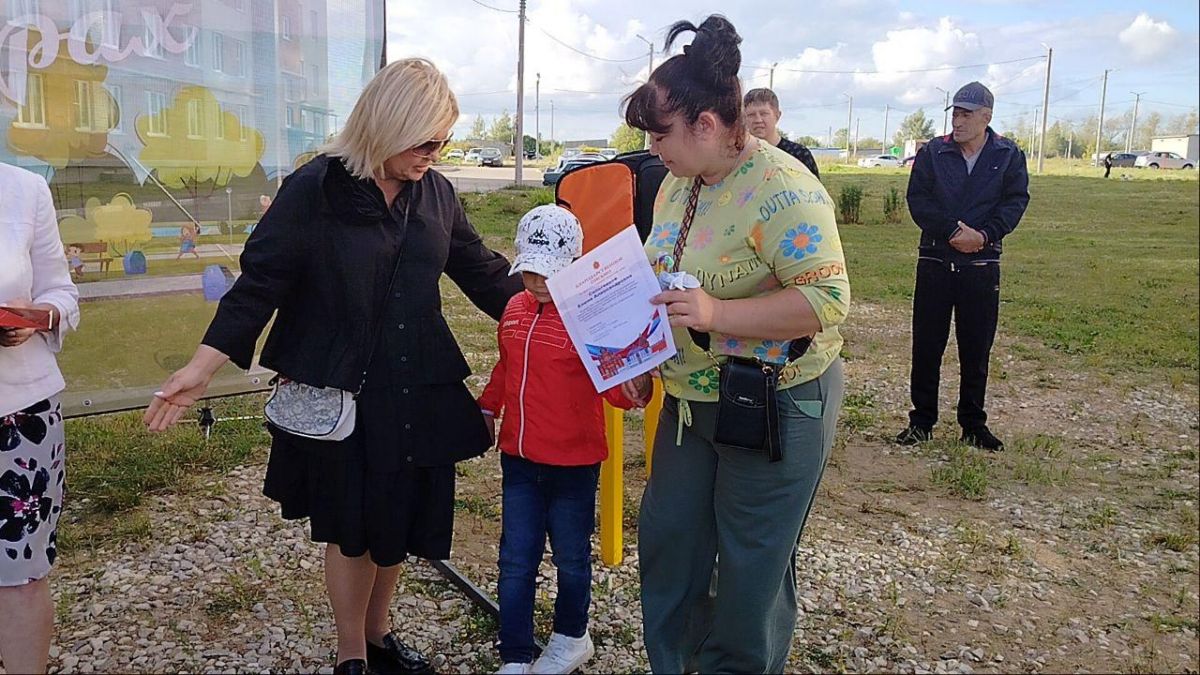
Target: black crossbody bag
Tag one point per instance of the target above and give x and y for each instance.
(747, 407)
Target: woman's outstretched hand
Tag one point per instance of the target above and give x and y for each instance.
(182, 389)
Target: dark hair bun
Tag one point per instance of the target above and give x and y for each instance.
(713, 55)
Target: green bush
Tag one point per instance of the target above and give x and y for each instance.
(892, 206)
(849, 203)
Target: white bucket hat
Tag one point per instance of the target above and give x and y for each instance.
(549, 238)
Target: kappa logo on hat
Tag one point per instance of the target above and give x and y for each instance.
(549, 238)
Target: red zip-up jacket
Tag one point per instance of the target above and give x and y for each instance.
(552, 413)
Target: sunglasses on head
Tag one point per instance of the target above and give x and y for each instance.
(431, 147)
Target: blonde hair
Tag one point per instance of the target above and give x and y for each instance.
(407, 103)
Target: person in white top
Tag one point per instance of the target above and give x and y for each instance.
(33, 274)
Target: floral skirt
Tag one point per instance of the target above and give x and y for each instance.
(32, 454)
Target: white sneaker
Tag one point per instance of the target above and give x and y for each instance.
(513, 669)
(564, 654)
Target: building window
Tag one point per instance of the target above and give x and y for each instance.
(150, 39)
(286, 32)
(105, 30)
(218, 44)
(26, 7)
(239, 58)
(114, 123)
(83, 105)
(243, 115)
(220, 122)
(156, 114)
(192, 56)
(314, 25)
(195, 119)
(33, 113)
(239, 5)
(291, 117)
(314, 80)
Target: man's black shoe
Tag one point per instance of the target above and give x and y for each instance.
(396, 658)
(352, 667)
(913, 435)
(983, 439)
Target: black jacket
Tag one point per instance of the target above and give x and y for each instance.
(802, 153)
(322, 257)
(992, 198)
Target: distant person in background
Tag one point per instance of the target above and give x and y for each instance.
(1108, 164)
(33, 274)
(761, 108)
(967, 191)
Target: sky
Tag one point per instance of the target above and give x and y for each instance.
(589, 54)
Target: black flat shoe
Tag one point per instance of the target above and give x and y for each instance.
(352, 667)
(396, 658)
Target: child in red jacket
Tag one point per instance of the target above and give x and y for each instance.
(551, 442)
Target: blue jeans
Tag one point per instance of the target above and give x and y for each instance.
(541, 499)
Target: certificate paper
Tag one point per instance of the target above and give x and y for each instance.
(604, 301)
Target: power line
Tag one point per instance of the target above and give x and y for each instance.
(580, 51)
(910, 70)
(495, 9)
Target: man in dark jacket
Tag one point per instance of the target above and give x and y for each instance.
(967, 191)
(761, 108)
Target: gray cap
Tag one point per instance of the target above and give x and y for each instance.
(972, 96)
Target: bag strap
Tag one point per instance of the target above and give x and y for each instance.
(689, 214)
(774, 443)
(386, 297)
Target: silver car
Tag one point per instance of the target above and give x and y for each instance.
(1163, 160)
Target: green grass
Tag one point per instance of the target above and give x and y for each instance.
(1105, 270)
(965, 473)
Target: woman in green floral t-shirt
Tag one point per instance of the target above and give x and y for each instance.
(765, 247)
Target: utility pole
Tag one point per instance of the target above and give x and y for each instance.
(1133, 123)
(883, 143)
(857, 126)
(649, 72)
(552, 124)
(849, 120)
(1033, 130)
(945, 111)
(519, 141)
(830, 136)
(1070, 144)
(1100, 125)
(772, 79)
(1045, 110)
(537, 119)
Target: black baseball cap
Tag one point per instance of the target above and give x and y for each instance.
(972, 96)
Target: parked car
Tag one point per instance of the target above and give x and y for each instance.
(552, 176)
(455, 154)
(531, 154)
(1163, 160)
(472, 155)
(491, 157)
(876, 161)
(609, 153)
(1121, 159)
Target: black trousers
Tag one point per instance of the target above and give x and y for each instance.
(971, 294)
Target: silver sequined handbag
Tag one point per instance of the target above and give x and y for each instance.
(319, 413)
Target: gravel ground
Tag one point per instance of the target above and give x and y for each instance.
(1080, 554)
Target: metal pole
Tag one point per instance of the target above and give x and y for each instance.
(229, 200)
(1100, 124)
(849, 119)
(1045, 110)
(883, 143)
(1133, 123)
(519, 141)
(1070, 144)
(552, 123)
(537, 119)
(1033, 130)
(945, 111)
(857, 126)
(646, 136)
(772, 79)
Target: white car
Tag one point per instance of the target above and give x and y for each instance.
(455, 154)
(876, 161)
(1163, 160)
(472, 155)
(609, 153)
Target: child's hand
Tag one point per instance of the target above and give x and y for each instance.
(491, 426)
(638, 389)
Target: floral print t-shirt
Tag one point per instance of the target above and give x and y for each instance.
(769, 225)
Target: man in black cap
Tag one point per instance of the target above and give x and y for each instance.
(966, 192)
(761, 108)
